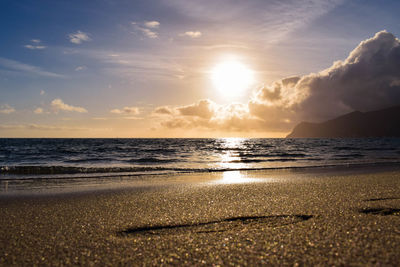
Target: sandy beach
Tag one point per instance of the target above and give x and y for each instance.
(299, 217)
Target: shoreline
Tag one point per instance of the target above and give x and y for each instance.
(53, 186)
(347, 217)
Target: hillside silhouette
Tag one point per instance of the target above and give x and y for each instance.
(378, 123)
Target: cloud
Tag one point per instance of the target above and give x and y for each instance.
(6, 109)
(149, 33)
(58, 104)
(147, 28)
(126, 110)
(205, 114)
(35, 45)
(203, 109)
(38, 111)
(42, 92)
(79, 37)
(269, 20)
(270, 93)
(152, 24)
(132, 118)
(18, 67)
(192, 34)
(163, 110)
(39, 127)
(80, 68)
(368, 79)
(138, 65)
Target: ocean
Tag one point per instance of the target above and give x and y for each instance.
(58, 158)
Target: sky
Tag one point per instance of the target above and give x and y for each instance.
(186, 68)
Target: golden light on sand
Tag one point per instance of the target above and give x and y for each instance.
(236, 177)
(232, 78)
(233, 177)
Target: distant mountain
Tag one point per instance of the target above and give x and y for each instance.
(379, 123)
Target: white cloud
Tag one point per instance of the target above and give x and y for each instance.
(152, 24)
(192, 34)
(269, 20)
(149, 33)
(147, 28)
(6, 109)
(141, 65)
(42, 92)
(79, 37)
(35, 47)
(25, 68)
(116, 111)
(80, 68)
(126, 110)
(58, 104)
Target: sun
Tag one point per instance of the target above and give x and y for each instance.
(232, 78)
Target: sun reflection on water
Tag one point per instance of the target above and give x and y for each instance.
(233, 142)
(230, 158)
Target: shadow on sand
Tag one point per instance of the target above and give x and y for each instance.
(382, 198)
(380, 211)
(234, 223)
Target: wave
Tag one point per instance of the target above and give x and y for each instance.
(351, 155)
(261, 160)
(274, 155)
(88, 160)
(29, 172)
(151, 160)
(346, 148)
(34, 170)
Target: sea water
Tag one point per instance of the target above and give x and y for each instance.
(92, 158)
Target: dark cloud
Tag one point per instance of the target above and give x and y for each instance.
(270, 93)
(275, 118)
(290, 81)
(274, 92)
(367, 80)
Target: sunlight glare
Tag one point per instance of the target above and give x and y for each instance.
(233, 177)
(236, 177)
(232, 78)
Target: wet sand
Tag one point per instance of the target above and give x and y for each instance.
(319, 217)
